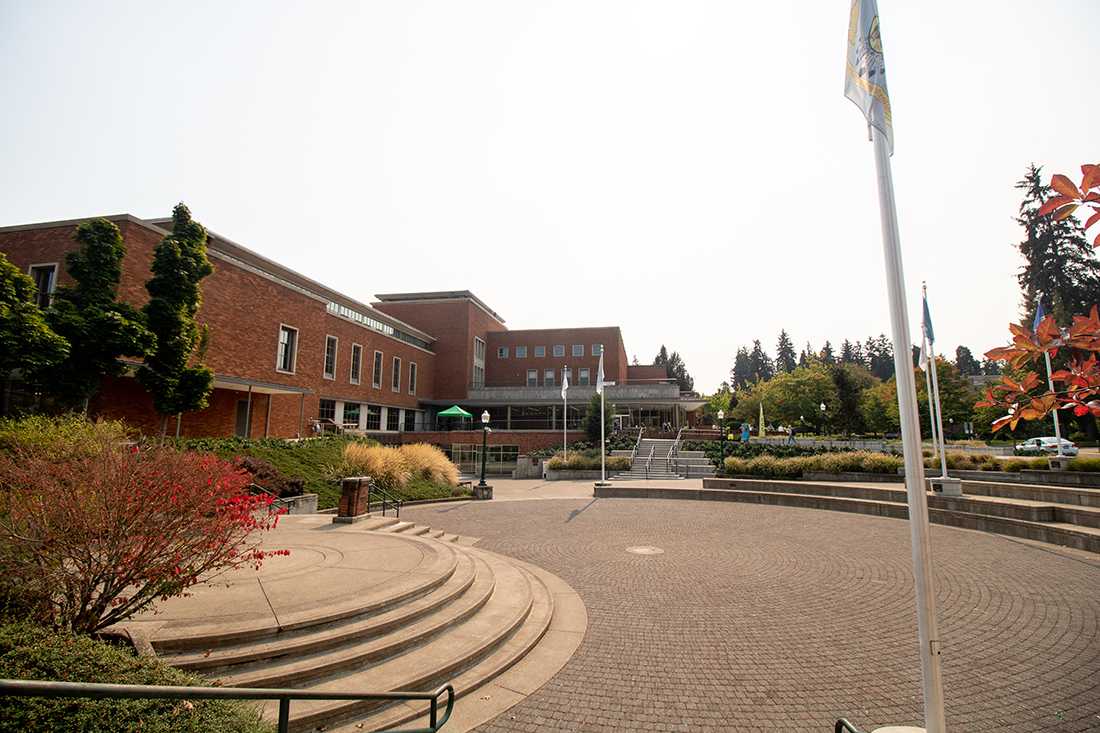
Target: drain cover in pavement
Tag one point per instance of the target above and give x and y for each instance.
(645, 550)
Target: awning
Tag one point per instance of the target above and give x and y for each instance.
(240, 384)
(455, 411)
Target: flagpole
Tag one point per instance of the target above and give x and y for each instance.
(927, 631)
(565, 414)
(927, 328)
(1050, 383)
(603, 448)
(931, 402)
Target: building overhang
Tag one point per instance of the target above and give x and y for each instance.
(241, 384)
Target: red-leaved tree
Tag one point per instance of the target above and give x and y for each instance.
(89, 539)
(1071, 197)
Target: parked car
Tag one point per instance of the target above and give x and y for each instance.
(1045, 446)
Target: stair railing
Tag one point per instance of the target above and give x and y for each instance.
(37, 688)
(649, 461)
(275, 498)
(637, 445)
(389, 501)
(673, 452)
(843, 725)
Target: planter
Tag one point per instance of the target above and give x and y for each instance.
(892, 478)
(483, 492)
(1059, 463)
(946, 486)
(567, 474)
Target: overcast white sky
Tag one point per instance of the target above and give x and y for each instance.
(690, 171)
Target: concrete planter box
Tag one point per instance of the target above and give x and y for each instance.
(853, 476)
(304, 504)
(527, 467)
(1045, 478)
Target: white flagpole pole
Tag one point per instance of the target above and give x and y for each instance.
(565, 415)
(603, 448)
(1057, 428)
(931, 401)
(928, 633)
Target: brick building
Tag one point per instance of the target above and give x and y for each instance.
(291, 355)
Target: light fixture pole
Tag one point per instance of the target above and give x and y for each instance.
(484, 446)
(822, 419)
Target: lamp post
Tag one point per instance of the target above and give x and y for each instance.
(484, 446)
(822, 419)
(722, 429)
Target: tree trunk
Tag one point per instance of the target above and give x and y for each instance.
(163, 426)
(179, 416)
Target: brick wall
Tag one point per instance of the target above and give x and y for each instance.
(512, 372)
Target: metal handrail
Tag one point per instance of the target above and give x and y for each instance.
(648, 461)
(389, 499)
(276, 499)
(39, 688)
(637, 445)
(673, 450)
(843, 725)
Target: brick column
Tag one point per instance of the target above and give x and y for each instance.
(354, 492)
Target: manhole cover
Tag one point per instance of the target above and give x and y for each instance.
(645, 550)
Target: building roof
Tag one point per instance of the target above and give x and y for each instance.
(439, 295)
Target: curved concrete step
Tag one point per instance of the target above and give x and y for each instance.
(475, 677)
(326, 636)
(462, 645)
(202, 636)
(294, 670)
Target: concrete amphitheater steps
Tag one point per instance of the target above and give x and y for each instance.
(1050, 523)
(197, 637)
(473, 651)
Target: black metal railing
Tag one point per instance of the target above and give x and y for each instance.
(377, 494)
(35, 688)
(843, 725)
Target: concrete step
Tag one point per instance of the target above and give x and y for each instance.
(200, 636)
(420, 529)
(463, 645)
(356, 629)
(297, 669)
(399, 527)
(1035, 492)
(508, 654)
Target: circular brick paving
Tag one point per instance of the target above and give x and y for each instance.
(780, 619)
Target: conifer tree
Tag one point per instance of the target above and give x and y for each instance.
(784, 353)
(99, 329)
(761, 366)
(966, 363)
(173, 372)
(741, 374)
(827, 356)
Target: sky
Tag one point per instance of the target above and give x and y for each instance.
(689, 171)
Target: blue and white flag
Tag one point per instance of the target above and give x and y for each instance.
(927, 325)
(865, 76)
(1040, 314)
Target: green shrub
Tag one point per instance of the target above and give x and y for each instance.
(768, 466)
(587, 461)
(34, 653)
(1085, 464)
(60, 436)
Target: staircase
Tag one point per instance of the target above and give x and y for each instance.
(684, 464)
(465, 617)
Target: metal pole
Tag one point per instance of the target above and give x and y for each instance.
(248, 415)
(565, 418)
(267, 417)
(931, 402)
(928, 633)
(939, 414)
(484, 447)
(603, 448)
(284, 715)
(1057, 427)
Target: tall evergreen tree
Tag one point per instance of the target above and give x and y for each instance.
(741, 374)
(99, 329)
(762, 366)
(846, 355)
(857, 354)
(880, 356)
(807, 357)
(991, 368)
(966, 363)
(677, 370)
(662, 357)
(26, 341)
(827, 356)
(1059, 263)
(173, 372)
(784, 353)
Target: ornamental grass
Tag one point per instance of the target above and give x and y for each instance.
(394, 468)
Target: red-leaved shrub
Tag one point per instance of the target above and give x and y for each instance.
(90, 539)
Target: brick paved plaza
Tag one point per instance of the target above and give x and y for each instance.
(782, 619)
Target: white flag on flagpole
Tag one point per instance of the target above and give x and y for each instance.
(924, 355)
(564, 382)
(865, 80)
(599, 374)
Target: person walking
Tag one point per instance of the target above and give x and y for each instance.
(745, 432)
(790, 435)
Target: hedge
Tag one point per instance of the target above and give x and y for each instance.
(35, 653)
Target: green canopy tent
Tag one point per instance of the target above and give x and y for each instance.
(456, 411)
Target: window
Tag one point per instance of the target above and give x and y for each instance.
(288, 350)
(532, 377)
(410, 421)
(356, 363)
(326, 410)
(540, 352)
(393, 419)
(479, 349)
(559, 350)
(479, 363)
(395, 380)
(583, 377)
(578, 349)
(597, 349)
(376, 377)
(330, 356)
(412, 377)
(502, 352)
(45, 278)
(521, 352)
(548, 378)
(374, 417)
(479, 376)
(351, 415)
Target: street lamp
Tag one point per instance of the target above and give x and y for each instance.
(823, 419)
(722, 430)
(484, 446)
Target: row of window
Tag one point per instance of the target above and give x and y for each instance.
(540, 351)
(287, 357)
(584, 377)
(354, 413)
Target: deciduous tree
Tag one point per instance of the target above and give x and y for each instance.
(26, 341)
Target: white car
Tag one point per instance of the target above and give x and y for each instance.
(1047, 445)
